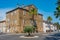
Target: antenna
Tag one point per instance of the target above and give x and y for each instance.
(22, 5)
(18, 4)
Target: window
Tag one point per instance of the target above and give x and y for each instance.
(15, 21)
(23, 21)
(24, 12)
(46, 26)
(15, 12)
(13, 28)
(51, 26)
(31, 22)
(12, 13)
(9, 27)
(8, 20)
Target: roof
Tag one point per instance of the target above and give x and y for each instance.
(2, 21)
(23, 9)
(47, 22)
(19, 8)
(31, 5)
(40, 14)
(15, 9)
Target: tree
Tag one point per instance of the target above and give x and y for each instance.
(57, 12)
(49, 19)
(57, 24)
(33, 12)
(29, 29)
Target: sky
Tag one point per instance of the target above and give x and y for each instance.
(45, 7)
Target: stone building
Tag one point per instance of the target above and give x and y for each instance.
(18, 18)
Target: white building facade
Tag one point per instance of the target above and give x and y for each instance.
(49, 27)
(3, 26)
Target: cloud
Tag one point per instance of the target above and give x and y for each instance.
(3, 13)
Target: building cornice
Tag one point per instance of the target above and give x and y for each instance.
(16, 9)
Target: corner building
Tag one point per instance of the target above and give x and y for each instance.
(18, 18)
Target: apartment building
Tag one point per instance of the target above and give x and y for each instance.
(49, 27)
(18, 18)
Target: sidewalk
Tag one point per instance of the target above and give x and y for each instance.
(32, 33)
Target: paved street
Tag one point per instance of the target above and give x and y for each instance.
(53, 36)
